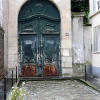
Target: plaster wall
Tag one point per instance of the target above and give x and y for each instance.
(66, 42)
(96, 65)
(95, 19)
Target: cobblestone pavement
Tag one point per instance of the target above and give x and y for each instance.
(59, 90)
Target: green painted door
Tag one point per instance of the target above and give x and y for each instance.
(39, 39)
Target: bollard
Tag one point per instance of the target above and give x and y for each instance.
(4, 88)
(12, 78)
(16, 74)
(85, 74)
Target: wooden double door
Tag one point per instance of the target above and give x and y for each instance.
(40, 55)
(39, 39)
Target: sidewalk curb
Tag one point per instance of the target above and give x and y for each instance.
(89, 84)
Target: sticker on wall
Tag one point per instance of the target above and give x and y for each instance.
(65, 52)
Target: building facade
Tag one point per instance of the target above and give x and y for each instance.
(95, 21)
(45, 38)
(63, 23)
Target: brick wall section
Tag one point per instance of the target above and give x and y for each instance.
(1, 56)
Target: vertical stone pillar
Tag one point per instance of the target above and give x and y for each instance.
(78, 43)
(13, 36)
(66, 37)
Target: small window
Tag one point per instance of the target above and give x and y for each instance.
(96, 39)
(98, 3)
(94, 5)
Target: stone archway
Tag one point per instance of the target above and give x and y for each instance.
(12, 33)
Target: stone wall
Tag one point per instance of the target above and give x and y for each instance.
(66, 42)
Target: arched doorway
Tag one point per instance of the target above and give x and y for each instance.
(39, 39)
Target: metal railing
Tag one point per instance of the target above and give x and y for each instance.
(12, 83)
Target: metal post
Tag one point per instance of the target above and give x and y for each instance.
(4, 88)
(12, 78)
(85, 74)
(16, 74)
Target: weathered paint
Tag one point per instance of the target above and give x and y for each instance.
(28, 70)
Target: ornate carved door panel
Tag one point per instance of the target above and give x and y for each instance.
(28, 54)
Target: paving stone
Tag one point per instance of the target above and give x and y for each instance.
(59, 90)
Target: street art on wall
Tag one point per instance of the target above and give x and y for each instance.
(78, 61)
(78, 51)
